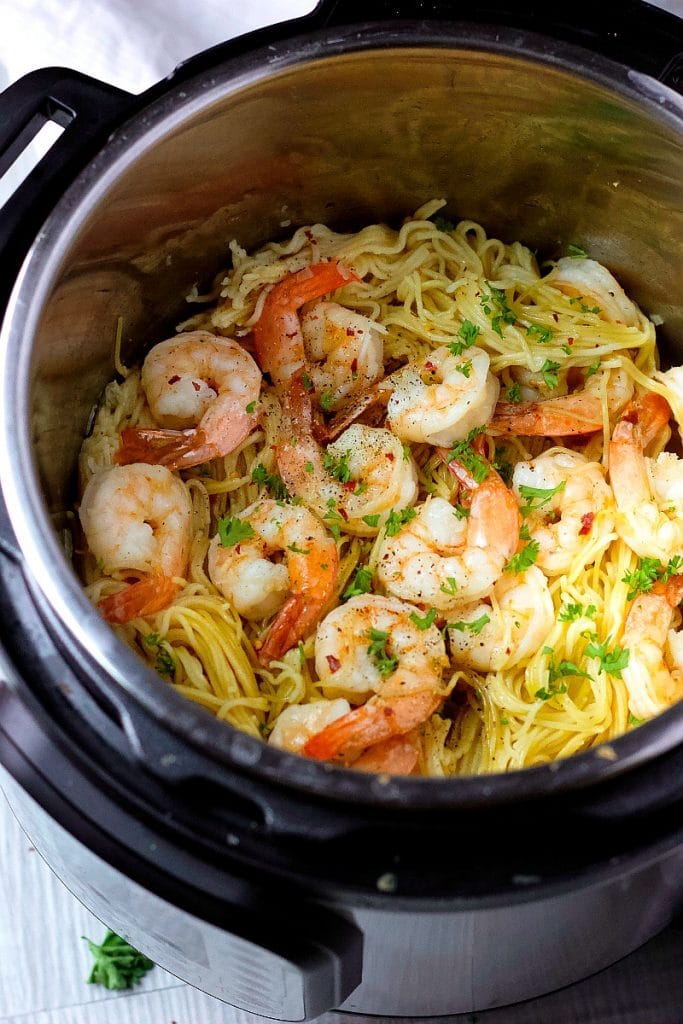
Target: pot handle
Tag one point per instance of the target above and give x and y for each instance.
(87, 110)
(637, 34)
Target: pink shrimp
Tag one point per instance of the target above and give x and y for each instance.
(202, 390)
(278, 338)
(654, 673)
(371, 643)
(138, 519)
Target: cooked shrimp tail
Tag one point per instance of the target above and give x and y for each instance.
(575, 414)
(145, 597)
(375, 722)
(278, 337)
(396, 756)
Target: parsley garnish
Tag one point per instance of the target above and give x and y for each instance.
(524, 558)
(460, 511)
(426, 621)
(496, 306)
(371, 520)
(576, 252)
(543, 494)
(555, 672)
(632, 720)
(117, 964)
(612, 662)
(514, 394)
(593, 368)
(442, 223)
(378, 652)
(474, 627)
(648, 572)
(450, 586)
(542, 334)
(298, 550)
(571, 612)
(272, 481)
(333, 518)
(250, 407)
(465, 368)
(396, 520)
(233, 531)
(549, 373)
(326, 400)
(362, 583)
(165, 662)
(338, 468)
(463, 452)
(468, 334)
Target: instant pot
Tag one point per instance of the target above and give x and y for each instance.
(281, 885)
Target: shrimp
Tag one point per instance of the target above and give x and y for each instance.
(364, 473)
(138, 518)
(345, 350)
(648, 492)
(441, 560)
(574, 519)
(575, 414)
(278, 338)
(200, 389)
(654, 673)
(443, 397)
(588, 279)
(673, 379)
(492, 637)
(296, 724)
(257, 588)
(371, 650)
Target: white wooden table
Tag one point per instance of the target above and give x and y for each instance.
(43, 961)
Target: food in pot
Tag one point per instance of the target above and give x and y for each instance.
(400, 500)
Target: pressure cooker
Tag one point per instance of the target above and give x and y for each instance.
(284, 886)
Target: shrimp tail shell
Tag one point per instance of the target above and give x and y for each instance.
(145, 597)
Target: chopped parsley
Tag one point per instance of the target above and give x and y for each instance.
(612, 662)
(338, 469)
(503, 465)
(514, 394)
(572, 612)
(362, 583)
(377, 650)
(496, 306)
(464, 452)
(460, 511)
(543, 335)
(307, 382)
(468, 334)
(549, 373)
(165, 662)
(524, 558)
(475, 626)
(396, 520)
(326, 400)
(450, 587)
(274, 483)
(371, 520)
(233, 531)
(648, 572)
(576, 252)
(250, 407)
(556, 673)
(542, 495)
(465, 368)
(117, 964)
(423, 622)
(298, 550)
(632, 720)
(442, 223)
(593, 368)
(333, 518)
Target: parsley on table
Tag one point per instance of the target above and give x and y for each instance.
(612, 662)
(362, 583)
(377, 650)
(117, 964)
(542, 495)
(468, 334)
(524, 558)
(465, 453)
(542, 334)
(549, 373)
(338, 469)
(423, 622)
(396, 520)
(274, 483)
(233, 531)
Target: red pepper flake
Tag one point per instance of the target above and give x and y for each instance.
(570, 341)
(390, 456)
(174, 379)
(350, 334)
(196, 385)
(343, 513)
(586, 523)
(334, 663)
(430, 366)
(555, 317)
(350, 485)
(354, 364)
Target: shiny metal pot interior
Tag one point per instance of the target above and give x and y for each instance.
(538, 141)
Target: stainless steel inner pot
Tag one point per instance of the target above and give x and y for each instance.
(536, 140)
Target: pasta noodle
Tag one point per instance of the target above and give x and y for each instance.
(419, 285)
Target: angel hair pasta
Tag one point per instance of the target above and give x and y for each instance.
(401, 500)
